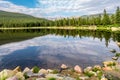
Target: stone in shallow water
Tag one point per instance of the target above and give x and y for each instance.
(78, 69)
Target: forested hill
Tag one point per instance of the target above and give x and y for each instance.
(10, 19)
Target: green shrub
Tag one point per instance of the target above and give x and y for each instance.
(52, 79)
(26, 76)
(36, 69)
(55, 71)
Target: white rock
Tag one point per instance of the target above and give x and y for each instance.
(49, 70)
(88, 69)
(78, 69)
(26, 70)
(44, 71)
(6, 74)
(63, 66)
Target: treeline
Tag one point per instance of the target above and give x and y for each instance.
(16, 20)
(100, 19)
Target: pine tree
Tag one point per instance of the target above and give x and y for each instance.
(117, 17)
(106, 19)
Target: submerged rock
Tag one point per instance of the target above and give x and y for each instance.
(78, 69)
(115, 58)
(113, 51)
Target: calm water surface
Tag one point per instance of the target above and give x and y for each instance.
(51, 48)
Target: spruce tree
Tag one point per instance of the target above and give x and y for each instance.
(106, 19)
(117, 17)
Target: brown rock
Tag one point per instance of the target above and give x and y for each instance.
(17, 69)
(78, 69)
(107, 68)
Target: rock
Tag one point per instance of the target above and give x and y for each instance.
(13, 78)
(6, 74)
(113, 51)
(17, 69)
(29, 73)
(20, 76)
(78, 69)
(103, 79)
(44, 71)
(107, 68)
(49, 70)
(97, 67)
(112, 75)
(84, 78)
(115, 58)
(109, 63)
(63, 66)
(118, 43)
(26, 70)
(88, 69)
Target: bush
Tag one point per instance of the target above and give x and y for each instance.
(55, 71)
(36, 69)
(52, 79)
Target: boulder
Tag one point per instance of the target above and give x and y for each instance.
(63, 66)
(49, 70)
(44, 71)
(115, 58)
(6, 74)
(109, 63)
(17, 69)
(12, 78)
(78, 69)
(26, 70)
(88, 69)
(113, 50)
(107, 68)
(20, 76)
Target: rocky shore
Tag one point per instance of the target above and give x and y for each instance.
(109, 71)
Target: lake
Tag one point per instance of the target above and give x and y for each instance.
(49, 48)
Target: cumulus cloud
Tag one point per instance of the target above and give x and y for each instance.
(62, 8)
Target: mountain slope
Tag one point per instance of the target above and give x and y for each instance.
(10, 19)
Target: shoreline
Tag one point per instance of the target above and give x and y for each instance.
(69, 28)
(97, 72)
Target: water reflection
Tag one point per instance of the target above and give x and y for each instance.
(84, 48)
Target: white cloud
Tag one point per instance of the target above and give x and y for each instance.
(57, 8)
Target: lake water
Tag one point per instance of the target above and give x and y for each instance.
(51, 48)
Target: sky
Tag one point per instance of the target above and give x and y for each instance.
(59, 8)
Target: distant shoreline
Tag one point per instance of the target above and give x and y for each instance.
(70, 28)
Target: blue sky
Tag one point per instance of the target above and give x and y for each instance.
(59, 8)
